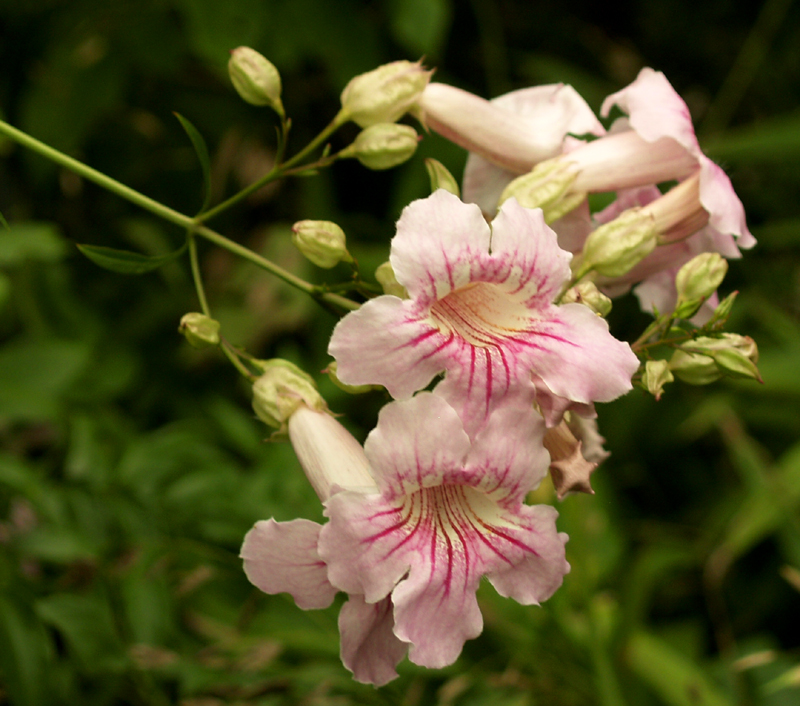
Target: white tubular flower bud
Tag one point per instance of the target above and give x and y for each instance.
(440, 177)
(384, 94)
(383, 146)
(200, 330)
(328, 453)
(322, 242)
(656, 375)
(615, 247)
(255, 78)
(281, 390)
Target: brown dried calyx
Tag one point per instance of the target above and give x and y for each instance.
(569, 470)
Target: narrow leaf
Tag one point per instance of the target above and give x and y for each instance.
(201, 151)
(126, 262)
(4, 222)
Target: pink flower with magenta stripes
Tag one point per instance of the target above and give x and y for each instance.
(447, 512)
(480, 310)
(411, 547)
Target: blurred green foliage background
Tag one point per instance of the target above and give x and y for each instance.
(132, 465)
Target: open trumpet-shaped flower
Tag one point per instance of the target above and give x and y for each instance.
(411, 549)
(480, 310)
(447, 512)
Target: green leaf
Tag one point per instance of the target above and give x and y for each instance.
(24, 656)
(4, 222)
(678, 680)
(201, 151)
(126, 262)
(421, 25)
(88, 627)
(767, 141)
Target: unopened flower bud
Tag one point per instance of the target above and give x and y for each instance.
(383, 145)
(723, 310)
(615, 247)
(440, 177)
(707, 359)
(546, 186)
(200, 330)
(350, 389)
(588, 294)
(697, 280)
(385, 276)
(280, 390)
(384, 94)
(656, 375)
(255, 78)
(322, 242)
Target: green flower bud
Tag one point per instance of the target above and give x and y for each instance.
(255, 79)
(588, 294)
(280, 390)
(383, 145)
(322, 242)
(384, 94)
(200, 330)
(656, 375)
(385, 276)
(707, 359)
(350, 389)
(697, 280)
(615, 247)
(440, 177)
(546, 186)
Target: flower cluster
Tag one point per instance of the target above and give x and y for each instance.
(492, 342)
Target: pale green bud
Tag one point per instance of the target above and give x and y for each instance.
(440, 177)
(383, 146)
(724, 308)
(255, 78)
(200, 330)
(697, 280)
(615, 247)
(384, 94)
(350, 389)
(385, 276)
(280, 390)
(588, 294)
(656, 375)
(322, 242)
(707, 359)
(546, 186)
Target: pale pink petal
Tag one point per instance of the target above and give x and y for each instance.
(573, 228)
(416, 444)
(655, 110)
(627, 198)
(552, 112)
(282, 557)
(515, 131)
(541, 570)
(369, 648)
(384, 343)
(583, 361)
(726, 213)
(439, 244)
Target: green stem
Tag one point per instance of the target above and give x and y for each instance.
(198, 280)
(278, 171)
(171, 215)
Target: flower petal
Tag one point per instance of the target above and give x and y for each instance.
(369, 648)
(281, 557)
(538, 573)
(384, 343)
(439, 242)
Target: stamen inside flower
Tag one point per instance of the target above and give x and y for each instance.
(480, 313)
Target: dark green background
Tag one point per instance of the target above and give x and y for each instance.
(132, 465)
